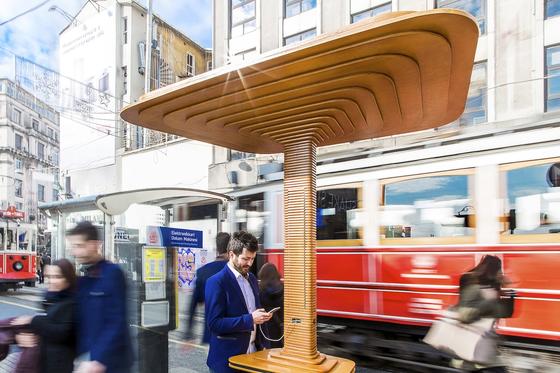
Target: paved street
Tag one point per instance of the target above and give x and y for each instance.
(184, 357)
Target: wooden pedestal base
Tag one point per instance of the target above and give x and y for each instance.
(272, 361)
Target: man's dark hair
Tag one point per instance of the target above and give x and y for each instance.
(85, 229)
(242, 240)
(222, 241)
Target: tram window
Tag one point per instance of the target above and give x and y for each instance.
(427, 207)
(250, 215)
(532, 199)
(338, 214)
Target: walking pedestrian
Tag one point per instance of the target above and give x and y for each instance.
(55, 330)
(481, 296)
(104, 344)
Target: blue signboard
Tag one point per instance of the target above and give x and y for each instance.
(173, 237)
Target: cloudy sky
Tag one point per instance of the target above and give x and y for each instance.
(35, 35)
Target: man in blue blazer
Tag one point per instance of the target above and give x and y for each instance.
(202, 275)
(232, 306)
(103, 339)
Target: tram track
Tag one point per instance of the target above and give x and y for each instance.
(402, 351)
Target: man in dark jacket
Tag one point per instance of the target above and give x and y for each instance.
(202, 275)
(103, 337)
(233, 308)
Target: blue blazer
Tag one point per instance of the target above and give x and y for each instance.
(228, 319)
(102, 318)
(202, 275)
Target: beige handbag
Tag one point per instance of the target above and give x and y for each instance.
(475, 342)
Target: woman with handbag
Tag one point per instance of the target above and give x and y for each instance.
(481, 297)
(53, 331)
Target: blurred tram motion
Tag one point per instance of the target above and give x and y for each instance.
(396, 229)
(18, 255)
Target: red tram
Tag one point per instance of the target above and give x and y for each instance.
(18, 255)
(396, 231)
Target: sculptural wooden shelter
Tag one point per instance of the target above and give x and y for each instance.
(396, 73)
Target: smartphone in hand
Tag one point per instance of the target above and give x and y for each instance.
(274, 310)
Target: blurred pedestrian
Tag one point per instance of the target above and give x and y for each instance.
(272, 296)
(233, 308)
(55, 330)
(103, 338)
(481, 296)
(202, 275)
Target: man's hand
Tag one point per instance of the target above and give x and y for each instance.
(91, 367)
(260, 316)
(22, 320)
(27, 340)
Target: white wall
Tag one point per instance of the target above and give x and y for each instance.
(179, 164)
(92, 181)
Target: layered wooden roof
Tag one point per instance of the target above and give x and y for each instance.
(396, 73)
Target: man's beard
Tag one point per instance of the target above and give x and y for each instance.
(240, 269)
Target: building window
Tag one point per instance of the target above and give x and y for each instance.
(208, 65)
(552, 8)
(18, 188)
(125, 30)
(35, 124)
(40, 193)
(19, 206)
(16, 116)
(50, 133)
(246, 55)
(295, 7)
(243, 17)
(552, 81)
(41, 150)
(433, 206)
(475, 7)
(300, 37)
(19, 142)
(103, 83)
(19, 164)
(190, 66)
(475, 108)
(125, 79)
(55, 194)
(371, 12)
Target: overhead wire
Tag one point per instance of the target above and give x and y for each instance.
(24, 13)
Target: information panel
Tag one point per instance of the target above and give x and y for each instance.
(153, 260)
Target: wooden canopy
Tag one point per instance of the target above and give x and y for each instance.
(396, 73)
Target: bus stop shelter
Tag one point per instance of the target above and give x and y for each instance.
(158, 255)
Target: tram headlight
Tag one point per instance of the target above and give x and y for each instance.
(17, 266)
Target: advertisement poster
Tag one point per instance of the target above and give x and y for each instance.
(153, 260)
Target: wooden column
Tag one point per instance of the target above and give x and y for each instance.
(300, 269)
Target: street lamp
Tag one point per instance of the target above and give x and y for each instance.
(64, 13)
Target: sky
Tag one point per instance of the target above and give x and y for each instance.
(35, 35)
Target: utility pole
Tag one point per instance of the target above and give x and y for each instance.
(148, 48)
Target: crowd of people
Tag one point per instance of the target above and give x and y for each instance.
(84, 326)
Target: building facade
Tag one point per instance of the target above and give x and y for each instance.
(102, 60)
(515, 80)
(29, 152)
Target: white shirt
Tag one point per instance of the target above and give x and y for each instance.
(249, 297)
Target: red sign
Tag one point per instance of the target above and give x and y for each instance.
(12, 213)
